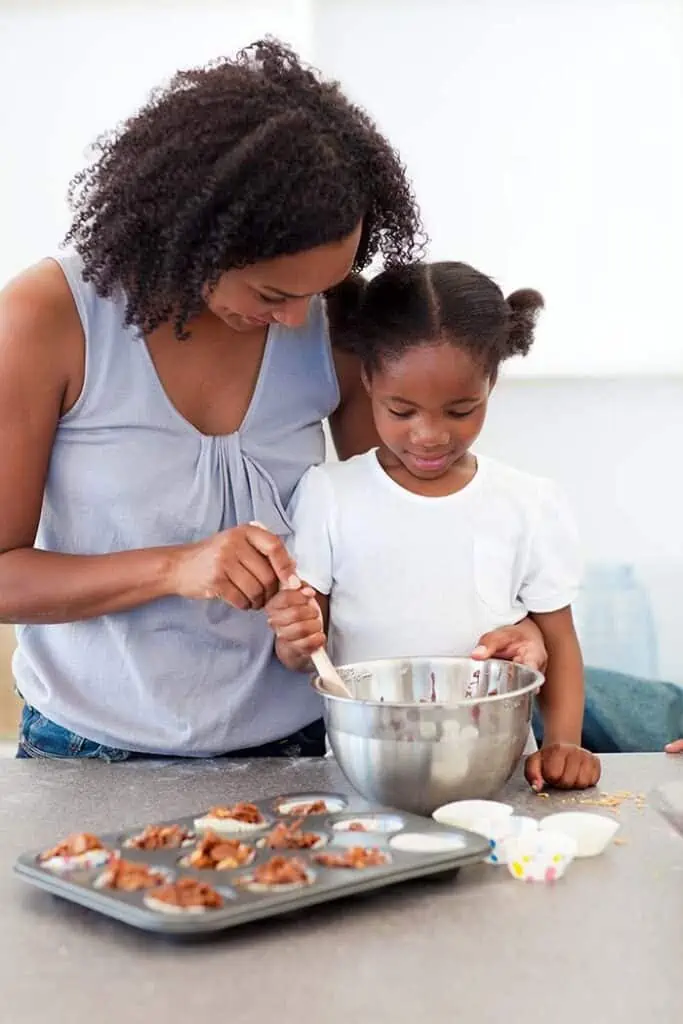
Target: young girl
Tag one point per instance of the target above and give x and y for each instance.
(420, 546)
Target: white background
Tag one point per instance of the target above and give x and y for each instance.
(71, 70)
(545, 141)
(544, 136)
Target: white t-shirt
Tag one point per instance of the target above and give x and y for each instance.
(409, 575)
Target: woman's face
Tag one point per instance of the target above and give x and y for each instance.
(280, 290)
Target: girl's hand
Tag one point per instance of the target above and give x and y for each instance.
(521, 643)
(562, 766)
(674, 748)
(295, 618)
(243, 567)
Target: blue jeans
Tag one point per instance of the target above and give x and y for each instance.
(39, 737)
(627, 715)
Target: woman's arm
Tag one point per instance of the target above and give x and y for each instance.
(41, 376)
(351, 424)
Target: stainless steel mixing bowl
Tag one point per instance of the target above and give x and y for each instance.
(420, 732)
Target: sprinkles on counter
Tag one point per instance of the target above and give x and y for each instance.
(608, 801)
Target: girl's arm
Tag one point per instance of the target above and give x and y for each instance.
(561, 698)
(521, 643)
(562, 762)
(299, 619)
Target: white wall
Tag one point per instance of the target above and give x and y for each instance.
(614, 447)
(543, 136)
(545, 141)
(70, 70)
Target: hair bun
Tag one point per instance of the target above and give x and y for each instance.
(525, 305)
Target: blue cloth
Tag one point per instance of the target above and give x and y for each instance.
(626, 714)
(41, 738)
(127, 471)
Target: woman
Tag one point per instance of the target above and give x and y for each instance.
(164, 387)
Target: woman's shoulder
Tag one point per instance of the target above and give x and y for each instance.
(38, 293)
(40, 321)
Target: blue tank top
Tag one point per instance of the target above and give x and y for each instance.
(128, 471)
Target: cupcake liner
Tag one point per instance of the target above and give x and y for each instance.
(80, 862)
(227, 826)
(541, 856)
(591, 832)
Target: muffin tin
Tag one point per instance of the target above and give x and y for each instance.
(440, 849)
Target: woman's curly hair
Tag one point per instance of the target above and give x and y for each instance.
(240, 161)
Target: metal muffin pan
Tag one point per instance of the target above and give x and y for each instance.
(242, 905)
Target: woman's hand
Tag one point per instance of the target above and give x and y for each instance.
(674, 748)
(244, 567)
(562, 766)
(521, 643)
(296, 619)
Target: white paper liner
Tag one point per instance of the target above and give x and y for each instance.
(246, 882)
(542, 856)
(128, 844)
(333, 805)
(227, 826)
(322, 841)
(426, 842)
(80, 862)
(382, 824)
(101, 880)
(172, 908)
(184, 863)
(462, 813)
(349, 867)
(591, 832)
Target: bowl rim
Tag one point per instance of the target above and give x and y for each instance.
(533, 687)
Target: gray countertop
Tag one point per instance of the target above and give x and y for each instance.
(605, 944)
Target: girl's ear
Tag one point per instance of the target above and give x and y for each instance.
(365, 379)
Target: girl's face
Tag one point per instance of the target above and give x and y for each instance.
(280, 290)
(429, 406)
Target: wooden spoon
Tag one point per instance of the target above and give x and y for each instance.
(334, 684)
